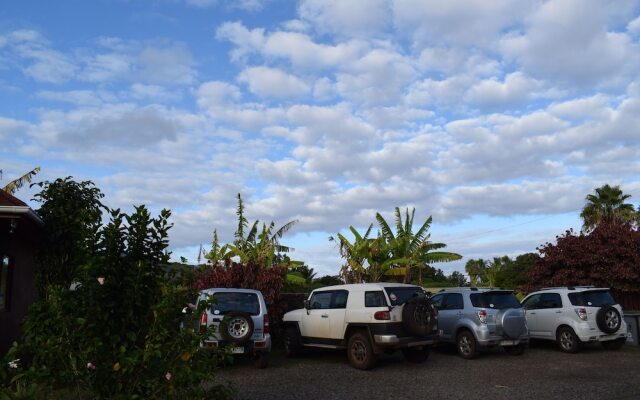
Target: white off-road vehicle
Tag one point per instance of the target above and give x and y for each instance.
(575, 315)
(366, 319)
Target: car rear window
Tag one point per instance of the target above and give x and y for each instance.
(398, 295)
(226, 302)
(592, 298)
(497, 300)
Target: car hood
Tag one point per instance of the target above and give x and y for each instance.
(294, 315)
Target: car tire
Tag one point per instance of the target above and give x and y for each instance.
(516, 350)
(608, 319)
(261, 360)
(613, 344)
(416, 355)
(418, 316)
(292, 347)
(236, 327)
(360, 351)
(467, 345)
(568, 340)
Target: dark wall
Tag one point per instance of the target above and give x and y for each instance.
(20, 246)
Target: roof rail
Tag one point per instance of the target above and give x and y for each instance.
(568, 287)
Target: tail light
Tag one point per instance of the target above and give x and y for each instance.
(582, 313)
(203, 322)
(266, 328)
(382, 315)
(482, 316)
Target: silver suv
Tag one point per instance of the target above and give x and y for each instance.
(574, 315)
(473, 318)
(240, 321)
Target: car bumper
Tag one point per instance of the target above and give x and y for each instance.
(587, 333)
(250, 347)
(394, 341)
(487, 339)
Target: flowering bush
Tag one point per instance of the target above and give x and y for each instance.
(118, 333)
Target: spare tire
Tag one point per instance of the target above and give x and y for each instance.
(512, 321)
(236, 327)
(608, 319)
(418, 316)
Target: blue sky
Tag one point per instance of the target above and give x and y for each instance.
(496, 118)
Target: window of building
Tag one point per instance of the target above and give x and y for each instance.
(5, 276)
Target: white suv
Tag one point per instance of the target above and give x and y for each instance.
(575, 315)
(367, 319)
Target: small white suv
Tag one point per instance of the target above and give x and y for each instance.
(367, 319)
(575, 315)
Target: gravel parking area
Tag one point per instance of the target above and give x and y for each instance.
(541, 373)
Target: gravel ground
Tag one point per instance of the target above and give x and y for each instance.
(541, 373)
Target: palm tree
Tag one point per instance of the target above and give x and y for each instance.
(607, 205)
(476, 269)
(16, 184)
(355, 254)
(409, 250)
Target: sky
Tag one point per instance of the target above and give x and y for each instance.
(496, 117)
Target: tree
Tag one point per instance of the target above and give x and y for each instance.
(607, 205)
(476, 271)
(363, 257)
(259, 246)
(305, 272)
(608, 256)
(72, 216)
(16, 184)
(457, 279)
(410, 250)
(515, 273)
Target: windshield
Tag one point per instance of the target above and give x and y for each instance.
(592, 298)
(398, 295)
(497, 300)
(225, 302)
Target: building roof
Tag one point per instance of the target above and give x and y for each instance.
(8, 200)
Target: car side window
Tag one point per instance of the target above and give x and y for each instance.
(550, 300)
(454, 302)
(339, 299)
(374, 299)
(437, 300)
(321, 300)
(532, 303)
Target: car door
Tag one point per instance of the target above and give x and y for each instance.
(337, 313)
(532, 305)
(449, 312)
(549, 314)
(315, 323)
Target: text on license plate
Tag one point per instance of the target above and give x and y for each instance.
(507, 343)
(237, 350)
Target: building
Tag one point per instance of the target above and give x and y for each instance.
(21, 232)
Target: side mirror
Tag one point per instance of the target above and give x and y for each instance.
(307, 305)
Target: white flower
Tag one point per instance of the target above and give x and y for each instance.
(101, 280)
(168, 376)
(14, 364)
(91, 366)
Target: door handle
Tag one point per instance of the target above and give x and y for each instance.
(325, 315)
(558, 312)
(532, 312)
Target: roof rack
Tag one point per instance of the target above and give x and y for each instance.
(568, 287)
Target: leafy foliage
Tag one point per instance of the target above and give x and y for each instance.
(117, 334)
(609, 256)
(17, 183)
(72, 215)
(501, 271)
(391, 255)
(607, 206)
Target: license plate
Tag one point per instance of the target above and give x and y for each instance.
(507, 343)
(237, 350)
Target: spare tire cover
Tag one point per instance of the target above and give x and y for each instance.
(608, 319)
(418, 316)
(513, 322)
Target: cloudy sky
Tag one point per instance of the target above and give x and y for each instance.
(496, 117)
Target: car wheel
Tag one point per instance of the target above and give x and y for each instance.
(415, 355)
(291, 342)
(418, 316)
(613, 344)
(236, 327)
(360, 351)
(517, 350)
(467, 346)
(567, 340)
(608, 319)
(262, 360)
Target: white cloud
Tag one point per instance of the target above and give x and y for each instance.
(270, 82)
(361, 18)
